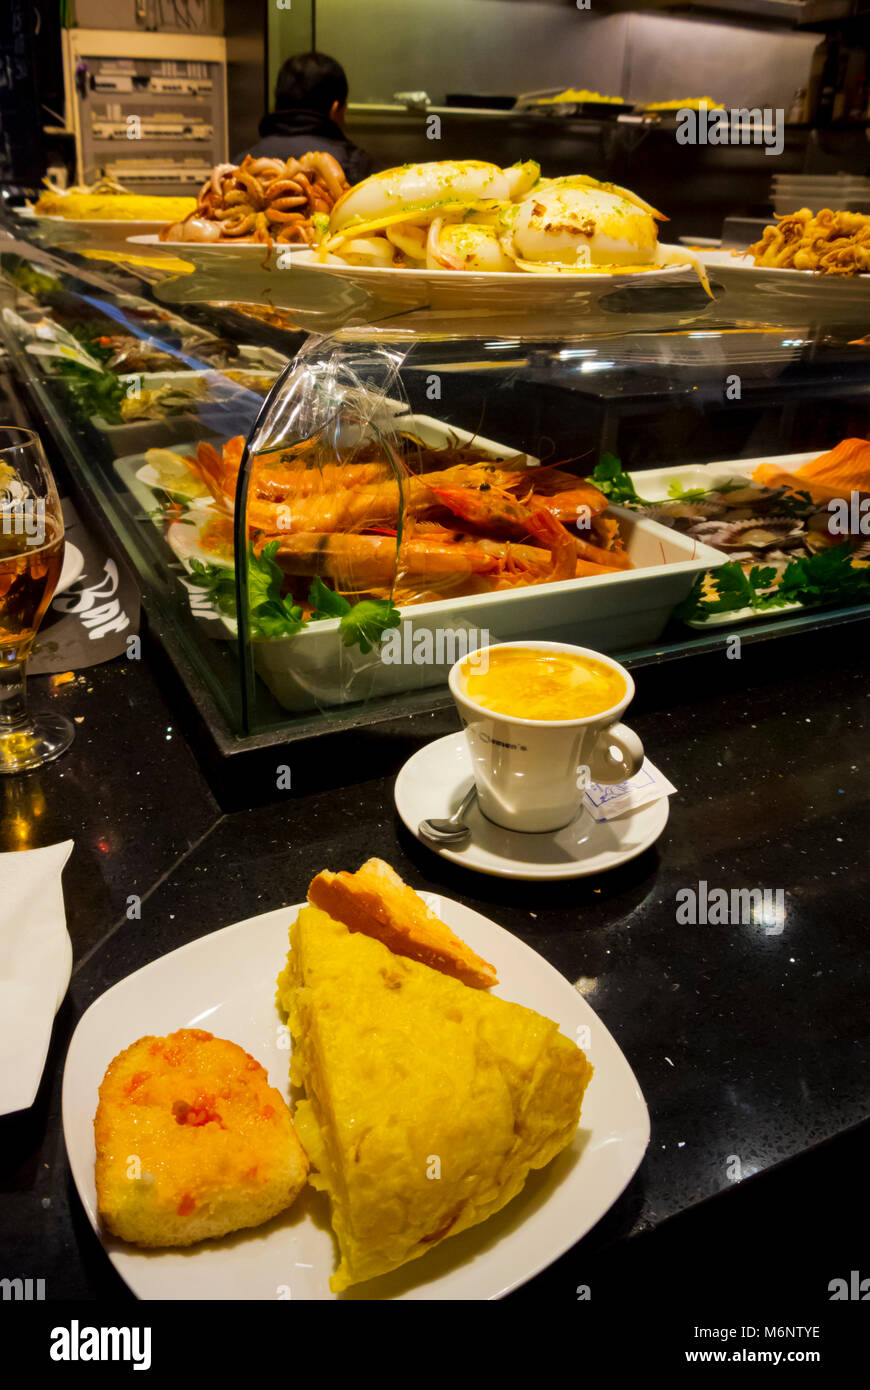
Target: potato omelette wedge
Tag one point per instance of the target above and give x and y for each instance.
(427, 1102)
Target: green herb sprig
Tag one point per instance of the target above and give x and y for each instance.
(361, 624)
(619, 487)
(616, 485)
(825, 578)
(95, 393)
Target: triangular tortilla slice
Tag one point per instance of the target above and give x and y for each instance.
(375, 901)
(426, 1103)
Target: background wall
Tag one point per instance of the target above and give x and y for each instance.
(186, 16)
(288, 32)
(668, 57)
(491, 46)
(510, 46)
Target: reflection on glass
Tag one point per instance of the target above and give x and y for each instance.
(31, 555)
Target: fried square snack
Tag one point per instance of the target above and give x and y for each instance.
(192, 1142)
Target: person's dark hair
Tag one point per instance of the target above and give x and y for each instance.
(310, 80)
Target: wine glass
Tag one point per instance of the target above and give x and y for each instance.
(31, 555)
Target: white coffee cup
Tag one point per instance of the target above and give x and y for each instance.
(531, 773)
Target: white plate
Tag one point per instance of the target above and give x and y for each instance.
(101, 223)
(372, 276)
(202, 252)
(433, 782)
(733, 260)
(225, 982)
(150, 478)
(479, 290)
(75, 231)
(331, 290)
(500, 279)
(183, 538)
(73, 564)
(745, 266)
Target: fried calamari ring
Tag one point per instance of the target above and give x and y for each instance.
(254, 199)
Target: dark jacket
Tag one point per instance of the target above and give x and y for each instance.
(287, 133)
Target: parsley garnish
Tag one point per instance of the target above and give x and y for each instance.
(678, 493)
(610, 479)
(219, 583)
(325, 603)
(615, 484)
(271, 615)
(361, 624)
(826, 578)
(95, 393)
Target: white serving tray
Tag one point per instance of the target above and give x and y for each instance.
(652, 485)
(135, 436)
(609, 612)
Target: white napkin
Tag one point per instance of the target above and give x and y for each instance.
(35, 965)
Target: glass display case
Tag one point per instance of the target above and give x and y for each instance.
(330, 493)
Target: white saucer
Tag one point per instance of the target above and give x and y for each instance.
(433, 782)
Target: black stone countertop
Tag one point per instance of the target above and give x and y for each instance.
(745, 1043)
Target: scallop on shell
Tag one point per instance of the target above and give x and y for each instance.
(861, 553)
(754, 495)
(754, 534)
(684, 511)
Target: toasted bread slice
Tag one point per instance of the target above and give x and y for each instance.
(377, 903)
(192, 1142)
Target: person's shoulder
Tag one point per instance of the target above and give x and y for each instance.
(356, 162)
(269, 148)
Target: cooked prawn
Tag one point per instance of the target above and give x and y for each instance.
(276, 476)
(372, 528)
(499, 511)
(573, 503)
(369, 562)
(357, 508)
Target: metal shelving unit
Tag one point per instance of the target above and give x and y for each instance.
(156, 121)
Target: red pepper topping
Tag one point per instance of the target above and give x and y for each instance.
(201, 1112)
